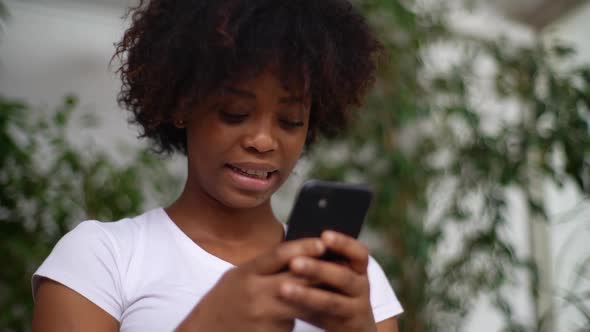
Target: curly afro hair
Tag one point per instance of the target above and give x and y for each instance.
(178, 52)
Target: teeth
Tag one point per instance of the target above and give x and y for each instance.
(259, 174)
(253, 173)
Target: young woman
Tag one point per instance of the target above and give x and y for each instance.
(242, 88)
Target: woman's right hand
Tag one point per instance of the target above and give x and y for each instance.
(247, 298)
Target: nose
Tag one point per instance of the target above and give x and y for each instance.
(260, 137)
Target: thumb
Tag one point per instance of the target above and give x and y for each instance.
(279, 258)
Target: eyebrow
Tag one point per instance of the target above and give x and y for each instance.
(249, 95)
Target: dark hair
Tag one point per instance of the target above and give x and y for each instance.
(178, 52)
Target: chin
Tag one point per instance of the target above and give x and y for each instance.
(239, 200)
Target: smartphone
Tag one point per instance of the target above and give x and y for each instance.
(323, 205)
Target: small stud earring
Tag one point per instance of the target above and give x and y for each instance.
(179, 123)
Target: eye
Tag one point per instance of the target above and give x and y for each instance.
(232, 117)
(292, 124)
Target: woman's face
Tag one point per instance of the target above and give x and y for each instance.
(243, 143)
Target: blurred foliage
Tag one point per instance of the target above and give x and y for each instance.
(442, 160)
(47, 186)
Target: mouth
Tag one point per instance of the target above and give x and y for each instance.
(253, 177)
(252, 173)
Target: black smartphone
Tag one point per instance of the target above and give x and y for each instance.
(323, 205)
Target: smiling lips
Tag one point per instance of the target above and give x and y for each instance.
(252, 176)
(258, 174)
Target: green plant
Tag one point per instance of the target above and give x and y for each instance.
(438, 166)
(47, 186)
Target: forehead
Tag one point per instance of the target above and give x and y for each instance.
(291, 79)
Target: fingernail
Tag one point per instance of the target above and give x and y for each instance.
(320, 246)
(330, 237)
(299, 264)
(288, 289)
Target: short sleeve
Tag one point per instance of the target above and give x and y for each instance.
(383, 300)
(85, 260)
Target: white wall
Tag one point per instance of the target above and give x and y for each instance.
(570, 214)
(574, 28)
(47, 52)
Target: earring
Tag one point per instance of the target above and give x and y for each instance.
(179, 123)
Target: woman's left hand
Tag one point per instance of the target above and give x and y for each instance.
(346, 309)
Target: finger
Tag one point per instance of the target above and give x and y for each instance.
(356, 252)
(316, 300)
(337, 276)
(279, 308)
(278, 258)
(289, 276)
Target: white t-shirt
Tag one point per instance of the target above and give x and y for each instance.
(149, 275)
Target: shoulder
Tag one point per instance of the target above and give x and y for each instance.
(116, 236)
(92, 260)
(96, 235)
(120, 233)
(95, 238)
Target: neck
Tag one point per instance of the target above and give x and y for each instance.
(200, 215)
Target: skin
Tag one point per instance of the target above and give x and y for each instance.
(255, 122)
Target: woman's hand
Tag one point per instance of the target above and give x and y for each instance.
(349, 308)
(247, 298)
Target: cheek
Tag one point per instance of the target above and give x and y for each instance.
(295, 145)
(210, 138)
(203, 153)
